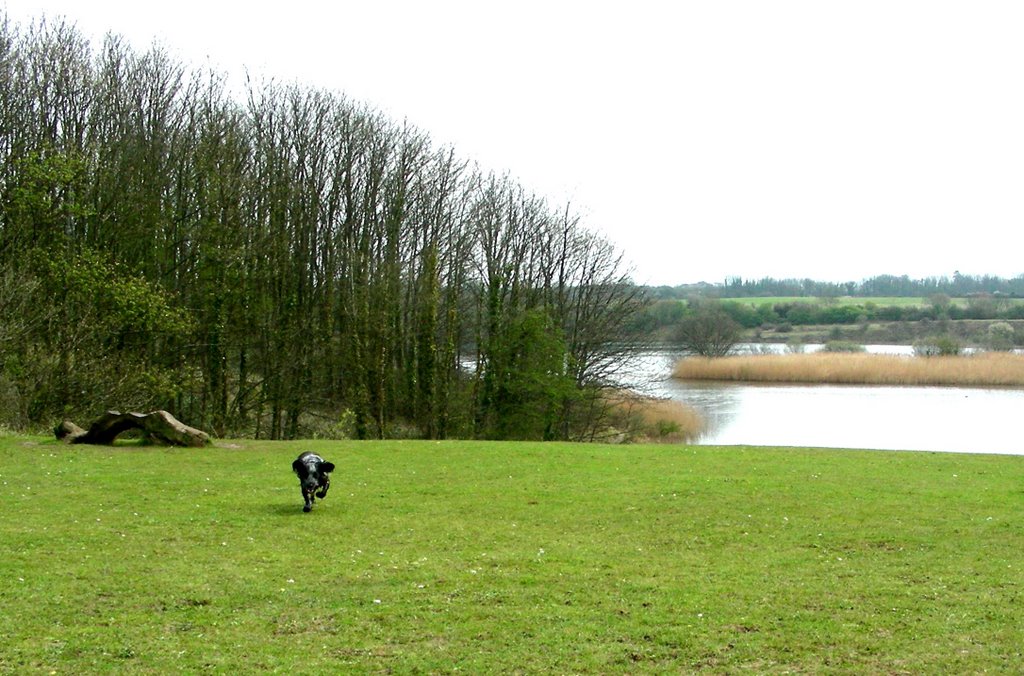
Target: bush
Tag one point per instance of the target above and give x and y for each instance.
(709, 331)
(842, 346)
(840, 314)
(743, 314)
(999, 337)
(938, 346)
(80, 335)
(795, 346)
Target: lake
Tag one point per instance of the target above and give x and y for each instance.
(948, 419)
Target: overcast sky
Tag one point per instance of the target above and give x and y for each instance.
(752, 138)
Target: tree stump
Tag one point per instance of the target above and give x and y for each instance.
(158, 427)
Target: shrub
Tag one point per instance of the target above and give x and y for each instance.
(842, 346)
(999, 337)
(767, 314)
(939, 346)
(80, 334)
(982, 306)
(743, 314)
(653, 420)
(709, 331)
(840, 314)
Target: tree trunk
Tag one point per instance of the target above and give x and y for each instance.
(159, 427)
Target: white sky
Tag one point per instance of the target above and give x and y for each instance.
(811, 138)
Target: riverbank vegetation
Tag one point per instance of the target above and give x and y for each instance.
(509, 557)
(990, 369)
(968, 322)
(653, 420)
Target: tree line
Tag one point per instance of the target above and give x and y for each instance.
(957, 286)
(667, 314)
(281, 263)
(816, 312)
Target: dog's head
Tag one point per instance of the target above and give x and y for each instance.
(313, 472)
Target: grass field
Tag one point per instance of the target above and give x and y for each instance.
(486, 557)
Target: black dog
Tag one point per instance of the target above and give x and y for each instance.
(313, 477)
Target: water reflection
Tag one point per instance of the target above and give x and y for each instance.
(951, 419)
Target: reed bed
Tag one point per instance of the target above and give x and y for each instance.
(990, 369)
(655, 420)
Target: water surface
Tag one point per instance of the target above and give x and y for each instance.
(949, 419)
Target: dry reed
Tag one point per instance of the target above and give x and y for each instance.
(990, 369)
(657, 420)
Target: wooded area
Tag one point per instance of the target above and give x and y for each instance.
(281, 263)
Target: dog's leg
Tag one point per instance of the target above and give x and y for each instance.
(307, 499)
(322, 493)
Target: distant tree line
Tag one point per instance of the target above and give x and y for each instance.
(282, 263)
(811, 313)
(698, 311)
(957, 286)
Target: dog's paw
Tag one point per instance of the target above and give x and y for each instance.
(306, 508)
(321, 493)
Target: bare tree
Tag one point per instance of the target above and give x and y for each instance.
(708, 331)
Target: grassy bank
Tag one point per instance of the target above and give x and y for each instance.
(501, 557)
(993, 369)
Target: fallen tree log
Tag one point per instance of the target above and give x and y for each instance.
(158, 427)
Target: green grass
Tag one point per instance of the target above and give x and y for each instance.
(508, 557)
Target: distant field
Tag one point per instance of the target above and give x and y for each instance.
(485, 557)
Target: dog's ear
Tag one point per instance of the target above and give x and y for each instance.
(327, 466)
(297, 466)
